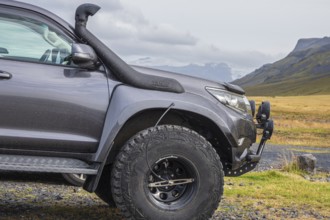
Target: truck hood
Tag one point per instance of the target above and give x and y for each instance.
(190, 84)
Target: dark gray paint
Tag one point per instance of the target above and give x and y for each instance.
(65, 108)
(51, 107)
(127, 101)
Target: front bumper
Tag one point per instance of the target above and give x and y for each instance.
(249, 160)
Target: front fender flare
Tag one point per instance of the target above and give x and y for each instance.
(128, 101)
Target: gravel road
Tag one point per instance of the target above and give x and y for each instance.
(273, 156)
(48, 196)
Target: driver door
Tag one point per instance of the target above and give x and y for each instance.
(46, 102)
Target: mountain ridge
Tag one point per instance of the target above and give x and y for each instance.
(304, 71)
(219, 72)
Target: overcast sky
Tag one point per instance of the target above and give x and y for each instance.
(245, 34)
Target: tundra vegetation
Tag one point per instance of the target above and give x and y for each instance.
(272, 192)
(300, 120)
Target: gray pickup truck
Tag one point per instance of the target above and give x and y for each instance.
(155, 144)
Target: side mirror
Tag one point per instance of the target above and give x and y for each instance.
(84, 56)
(263, 112)
(3, 50)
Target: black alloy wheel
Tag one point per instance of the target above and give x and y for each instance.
(172, 195)
(167, 172)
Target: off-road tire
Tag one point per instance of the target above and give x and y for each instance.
(131, 174)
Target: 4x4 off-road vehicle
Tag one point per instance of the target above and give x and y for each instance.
(155, 144)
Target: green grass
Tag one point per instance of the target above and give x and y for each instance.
(290, 164)
(276, 189)
(294, 87)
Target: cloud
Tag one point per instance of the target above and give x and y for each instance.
(166, 34)
(116, 21)
(200, 53)
(130, 34)
(129, 23)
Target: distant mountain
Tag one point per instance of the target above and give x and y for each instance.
(305, 71)
(220, 72)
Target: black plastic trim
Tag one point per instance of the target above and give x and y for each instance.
(234, 88)
(88, 157)
(120, 69)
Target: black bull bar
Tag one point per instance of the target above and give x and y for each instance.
(252, 158)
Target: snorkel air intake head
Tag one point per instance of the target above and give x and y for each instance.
(119, 68)
(85, 10)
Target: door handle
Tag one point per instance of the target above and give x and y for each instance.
(5, 75)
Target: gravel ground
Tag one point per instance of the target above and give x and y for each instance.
(44, 196)
(48, 196)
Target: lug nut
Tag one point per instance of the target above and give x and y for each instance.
(163, 196)
(175, 193)
(153, 190)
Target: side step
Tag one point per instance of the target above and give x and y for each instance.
(45, 164)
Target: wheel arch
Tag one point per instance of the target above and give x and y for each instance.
(132, 110)
(197, 122)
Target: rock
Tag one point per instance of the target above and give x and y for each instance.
(76, 189)
(307, 162)
(58, 197)
(306, 177)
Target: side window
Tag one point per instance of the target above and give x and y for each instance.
(27, 39)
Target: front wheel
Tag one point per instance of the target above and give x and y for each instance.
(167, 172)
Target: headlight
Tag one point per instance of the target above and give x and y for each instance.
(232, 100)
